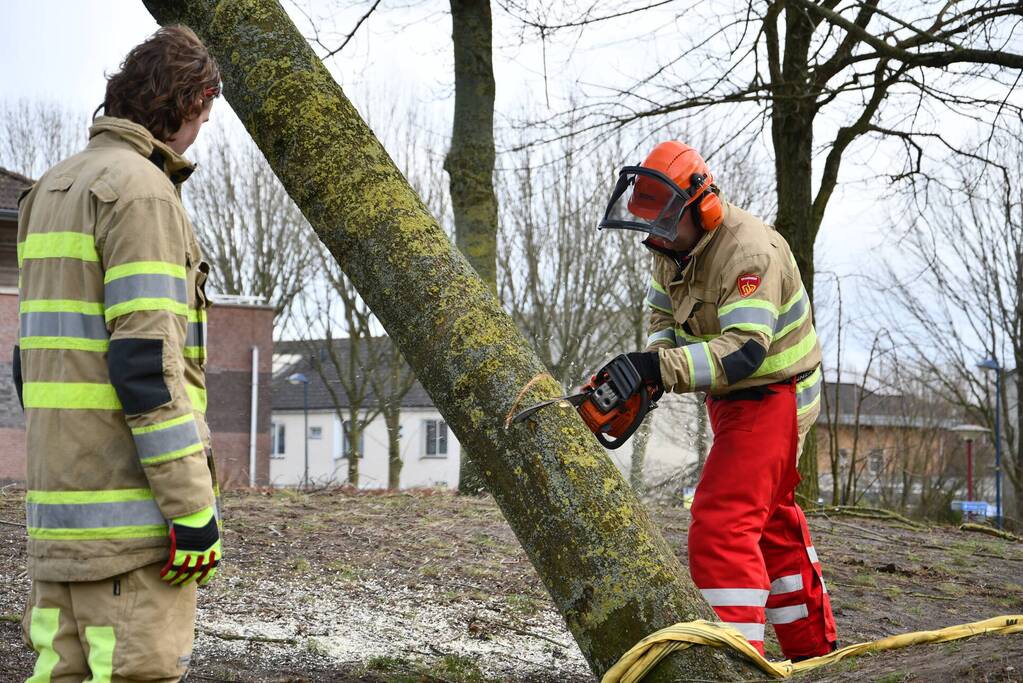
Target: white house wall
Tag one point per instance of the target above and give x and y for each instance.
(672, 447)
(417, 471)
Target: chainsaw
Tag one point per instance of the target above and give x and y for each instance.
(612, 404)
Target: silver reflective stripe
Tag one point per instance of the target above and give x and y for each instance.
(703, 371)
(735, 597)
(196, 334)
(807, 395)
(793, 314)
(145, 286)
(812, 552)
(749, 631)
(824, 586)
(787, 584)
(93, 515)
(80, 325)
(181, 439)
(658, 299)
(786, 615)
(748, 314)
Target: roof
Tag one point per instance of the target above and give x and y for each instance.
(878, 409)
(292, 357)
(11, 186)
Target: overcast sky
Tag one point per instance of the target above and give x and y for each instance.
(60, 49)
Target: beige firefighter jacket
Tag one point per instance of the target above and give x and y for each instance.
(112, 357)
(735, 315)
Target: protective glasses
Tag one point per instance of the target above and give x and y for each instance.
(655, 204)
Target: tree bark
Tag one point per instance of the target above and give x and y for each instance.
(636, 464)
(792, 134)
(470, 160)
(607, 568)
(392, 418)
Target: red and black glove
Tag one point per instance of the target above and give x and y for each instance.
(648, 365)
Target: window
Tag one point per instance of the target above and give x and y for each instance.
(315, 433)
(436, 438)
(346, 444)
(276, 440)
(876, 460)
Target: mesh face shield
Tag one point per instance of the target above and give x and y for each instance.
(647, 201)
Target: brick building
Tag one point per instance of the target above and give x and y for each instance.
(239, 328)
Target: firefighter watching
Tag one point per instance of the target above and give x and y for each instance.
(729, 316)
(121, 506)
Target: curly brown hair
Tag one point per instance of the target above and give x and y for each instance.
(164, 81)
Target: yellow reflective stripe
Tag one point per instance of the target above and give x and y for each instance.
(784, 359)
(167, 424)
(751, 327)
(97, 534)
(196, 315)
(748, 303)
(146, 304)
(689, 364)
(65, 343)
(83, 497)
(197, 396)
(76, 245)
(61, 306)
(42, 630)
(101, 641)
(70, 396)
(787, 306)
(195, 352)
(144, 268)
(174, 455)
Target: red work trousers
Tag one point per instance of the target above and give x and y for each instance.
(750, 551)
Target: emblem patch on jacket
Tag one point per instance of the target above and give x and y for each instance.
(747, 284)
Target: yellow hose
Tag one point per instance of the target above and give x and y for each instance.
(637, 662)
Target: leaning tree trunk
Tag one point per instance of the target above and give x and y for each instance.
(470, 161)
(607, 568)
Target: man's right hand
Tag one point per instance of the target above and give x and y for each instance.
(195, 549)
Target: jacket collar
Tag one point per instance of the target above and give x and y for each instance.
(683, 260)
(107, 130)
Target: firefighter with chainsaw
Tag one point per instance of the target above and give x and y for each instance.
(121, 506)
(729, 316)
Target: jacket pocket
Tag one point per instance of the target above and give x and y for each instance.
(703, 318)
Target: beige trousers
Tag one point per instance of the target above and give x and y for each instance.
(130, 627)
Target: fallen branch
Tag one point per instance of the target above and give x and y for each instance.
(933, 597)
(251, 639)
(524, 632)
(4, 521)
(870, 534)
(990, 531)
(866, 513)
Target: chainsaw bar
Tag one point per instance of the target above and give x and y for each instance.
(575, 400)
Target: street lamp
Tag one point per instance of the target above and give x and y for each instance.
(299, 378)
(968, 434)
(992, 364)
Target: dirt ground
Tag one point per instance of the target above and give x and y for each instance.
(429, 587)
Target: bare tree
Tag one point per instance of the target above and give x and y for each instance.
(256, 238)
(391, 381)
(955, 295)
(35, 135)
(820, 75)
(559, 279)
(339, 340)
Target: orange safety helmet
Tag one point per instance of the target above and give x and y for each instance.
(671, 179)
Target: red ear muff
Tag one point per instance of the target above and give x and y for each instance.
(710, 211)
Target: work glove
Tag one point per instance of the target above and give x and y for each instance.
(195, 550)
(648, 365)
